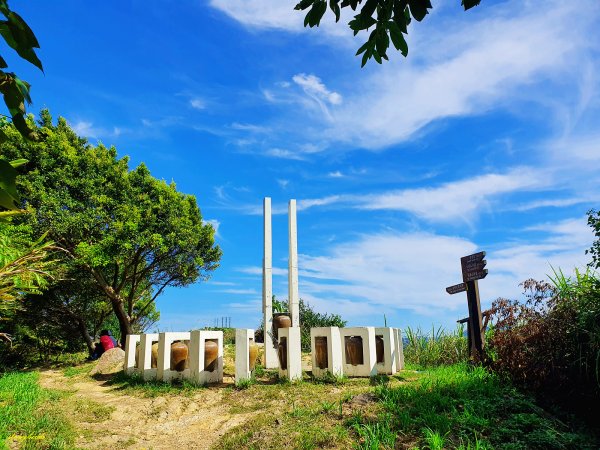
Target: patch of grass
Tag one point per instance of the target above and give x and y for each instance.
(329, 378)
(135, 385)
(82, 369)
(29, 416)
(454, 406)
(90, 411)
(245, 383)
(435, 348)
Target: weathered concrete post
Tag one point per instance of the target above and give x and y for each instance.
(293, 296)
(267, 292)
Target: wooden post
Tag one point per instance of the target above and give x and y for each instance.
(475, 322)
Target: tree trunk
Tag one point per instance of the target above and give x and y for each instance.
(124, 320)
(85, 334)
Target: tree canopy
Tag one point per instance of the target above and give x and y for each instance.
(388, 18)
(131, 234)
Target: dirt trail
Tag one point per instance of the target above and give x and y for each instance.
(146, 423)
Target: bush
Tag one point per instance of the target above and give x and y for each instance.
(550, 343)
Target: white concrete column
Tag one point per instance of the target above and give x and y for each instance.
(131, 347)
(390, 351)
(163, 369)
(368, 368)
(198, 373)
(270, 350)
(243, 337)
(293, 296)
(399, 349)
(145, 363)
(293, 368)
(334, 351)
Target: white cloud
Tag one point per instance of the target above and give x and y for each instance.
(89, 130)
(336, 174)
(458, 200)
(197, 103)
(283, 183)
(278, 15)
(397, 270)
(215, 224)
(241, 291)
(314, 87)
(469, 68)
(283, 154)
(258, 271)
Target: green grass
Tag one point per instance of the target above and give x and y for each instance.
(135, 385)
(29, 417)
(436, 348)
(462, 407)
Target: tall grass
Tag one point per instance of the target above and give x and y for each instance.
(437, 348)
(28, 417)
(464, 407)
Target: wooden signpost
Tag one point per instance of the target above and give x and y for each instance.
(473, 269)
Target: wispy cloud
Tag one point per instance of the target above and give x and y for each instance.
(396, 270)
(197, 103)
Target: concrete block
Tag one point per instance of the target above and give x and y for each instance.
(198, 370)
(163, 371)
(388, 365)
(131, 347)
(334, 351)
(292, 367)
(368, 367)
(145, 368)
(399, 349)
(243, 338)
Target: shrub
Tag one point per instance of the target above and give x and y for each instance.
(550, 343)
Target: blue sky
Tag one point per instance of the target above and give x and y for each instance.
(485, 138)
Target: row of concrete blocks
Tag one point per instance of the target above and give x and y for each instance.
(337, 364)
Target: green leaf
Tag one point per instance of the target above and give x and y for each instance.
(418, 8)
(383, 41)
(376, 56)
(333, 5)
(363, 48)
(8, 188)
(23, 87)
(3, 64)
(468, 4)
(18, 162)
(20, 37)
(303, 5)
(368, 9)
(398, 39)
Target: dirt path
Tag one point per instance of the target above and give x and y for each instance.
(143, 423)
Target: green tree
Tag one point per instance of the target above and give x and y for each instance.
(132, 234)
(388, 18)
(594, 222)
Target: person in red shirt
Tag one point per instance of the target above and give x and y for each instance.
(107, 341)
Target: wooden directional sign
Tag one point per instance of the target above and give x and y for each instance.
(473, 267)
(461, 287)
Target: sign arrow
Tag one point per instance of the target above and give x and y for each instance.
(461, 287)
(475, 275)
(472, 258)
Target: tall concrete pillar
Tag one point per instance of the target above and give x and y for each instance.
(267, 291)
(293, 296)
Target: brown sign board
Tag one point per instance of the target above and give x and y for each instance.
(461, 287)
(476, 266)
(475, 257)
(475, 275)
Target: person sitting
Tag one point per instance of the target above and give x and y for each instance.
(107, 341)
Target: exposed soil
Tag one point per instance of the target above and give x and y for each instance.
(145, 423)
